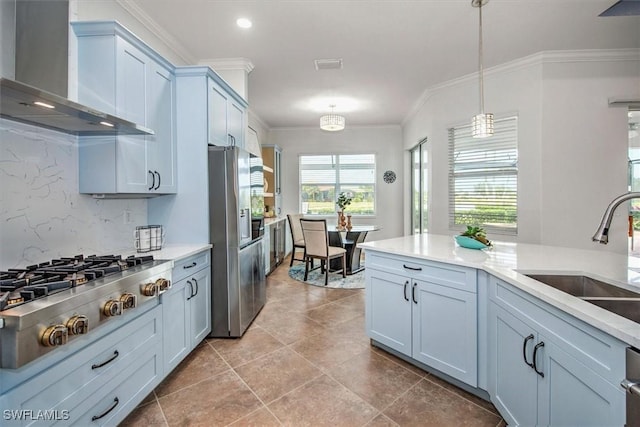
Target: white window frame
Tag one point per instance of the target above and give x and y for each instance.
(488, 159)
(338, 184)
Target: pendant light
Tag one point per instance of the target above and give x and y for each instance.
(482, 124)
(332, 122)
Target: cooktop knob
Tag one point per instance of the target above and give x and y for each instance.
(149, 289)
(78, 325)
(112, 308)
(163, 284)
(128, 301)
(54, 335)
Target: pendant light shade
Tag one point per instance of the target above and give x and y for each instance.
(482, 124)
(332, 122)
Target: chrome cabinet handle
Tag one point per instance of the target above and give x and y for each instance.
(535, 351)
(405, 290)
(412, 268)
(104, 414)
(413, 293)
(106, 362)
(524, 350)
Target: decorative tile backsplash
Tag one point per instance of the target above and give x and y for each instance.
(42, 215)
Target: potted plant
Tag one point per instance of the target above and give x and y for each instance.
(344, 200)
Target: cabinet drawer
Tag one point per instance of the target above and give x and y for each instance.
(65, 386)
(112, 403)
(453, 276)
(190, 265)
(595, 349)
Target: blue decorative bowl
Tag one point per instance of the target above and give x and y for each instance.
(469, 242)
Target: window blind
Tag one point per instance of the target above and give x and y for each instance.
(483, 178)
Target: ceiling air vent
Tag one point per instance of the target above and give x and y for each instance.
(328, 64)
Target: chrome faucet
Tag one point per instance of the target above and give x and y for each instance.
(602, 234)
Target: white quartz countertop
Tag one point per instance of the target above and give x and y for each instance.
(510, 261)
(274, 219)
(174, 252)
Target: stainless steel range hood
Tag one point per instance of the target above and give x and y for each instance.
(27, 104)
(34, 66)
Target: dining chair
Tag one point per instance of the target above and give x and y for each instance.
(296, 237)
(316, 238)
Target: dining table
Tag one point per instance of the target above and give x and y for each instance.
(349, 239)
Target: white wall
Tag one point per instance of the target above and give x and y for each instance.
(572, 145)
(385, 142)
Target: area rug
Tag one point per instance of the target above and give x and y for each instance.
(354, 281)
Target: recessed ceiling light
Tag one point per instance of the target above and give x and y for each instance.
(244, 23)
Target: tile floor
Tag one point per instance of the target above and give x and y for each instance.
(305, 361)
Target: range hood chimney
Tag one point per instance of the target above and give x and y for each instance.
(38, 95)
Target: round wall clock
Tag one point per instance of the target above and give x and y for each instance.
(389, 177)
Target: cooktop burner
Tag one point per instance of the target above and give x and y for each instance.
(20, 286)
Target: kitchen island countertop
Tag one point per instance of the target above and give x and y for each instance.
(173, 251)
(510, 261)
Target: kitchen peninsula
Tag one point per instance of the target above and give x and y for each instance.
(476, 319)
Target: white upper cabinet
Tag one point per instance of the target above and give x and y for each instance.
(226, 116)
(119, 74)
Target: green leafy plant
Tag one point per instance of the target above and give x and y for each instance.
(344, 200)
(477, 233)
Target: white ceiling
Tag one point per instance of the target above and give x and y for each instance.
(392, 49)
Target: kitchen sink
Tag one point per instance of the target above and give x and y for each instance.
(583, 286)
(625, 307)
(622, 302)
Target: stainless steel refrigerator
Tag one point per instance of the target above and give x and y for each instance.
(236, 227)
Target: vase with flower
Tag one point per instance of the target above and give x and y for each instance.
(344, 200)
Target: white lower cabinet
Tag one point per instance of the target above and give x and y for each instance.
(186, 309)
(538, 373)
(420, 309)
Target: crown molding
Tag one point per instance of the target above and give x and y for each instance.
(151, 25)
(229, 64)
(536, 59)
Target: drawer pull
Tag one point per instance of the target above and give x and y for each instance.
(524, 350)
(104, 414)
(193, 264)
(106, 362)
(412, 268)
(535, 365)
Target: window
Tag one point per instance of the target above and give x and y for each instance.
(483, 178)
(419, 187)
(324, 177)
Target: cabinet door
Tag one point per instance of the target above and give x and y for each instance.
(445, 330)
(388, 309)
(176, 328)
(512, 383)
(200, 306)
(132, 174)
(218, 100)
(160, 114)
(572, 394)
(235, 124)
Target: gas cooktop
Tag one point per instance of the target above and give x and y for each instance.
(22, 285)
